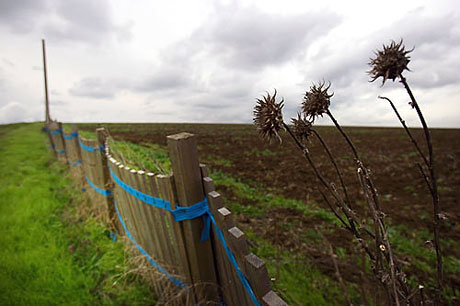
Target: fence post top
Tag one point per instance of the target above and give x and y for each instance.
(181, 136)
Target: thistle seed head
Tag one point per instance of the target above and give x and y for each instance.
(268, 116)
(302, 127)
(390, 62)
(316, 101)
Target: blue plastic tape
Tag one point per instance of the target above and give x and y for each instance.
(101, 191)
(177, 282)
(75, 164)
(91, 149)
(231, 257)
(113, 236)
(60, 151)
(141, 196)
(55, 132)
(200, 209)
(72, 136)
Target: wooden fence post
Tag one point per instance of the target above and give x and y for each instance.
(187, 176)
(101, 135)
(61, 137)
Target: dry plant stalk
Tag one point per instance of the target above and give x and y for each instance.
(268, 119)
(390, 63)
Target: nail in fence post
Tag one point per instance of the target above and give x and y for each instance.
(101, 135)
(187, 176)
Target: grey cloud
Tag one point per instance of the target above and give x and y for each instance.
(97, 88)
(434, 63)
(17, 112)
(21, 15)
(222, 60)
(70, 20)
(165, 78)
(84, 21)
(8, 62)
(250, 39)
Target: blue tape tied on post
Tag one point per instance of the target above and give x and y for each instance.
(200, 209)
(91, 149)
(72, 136)
(55, 132)
(101, 191)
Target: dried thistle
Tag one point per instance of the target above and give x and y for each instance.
(316, 101)
(302, 127)
(268, 116)
(389, 62)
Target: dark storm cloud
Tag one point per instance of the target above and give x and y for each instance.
(70, 20)
(250, 39)
(97, 88)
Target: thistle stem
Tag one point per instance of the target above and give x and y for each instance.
(350, 143)
(334, 194)
(376, 212)
(403, 123)
(433, 190)
(337, 170)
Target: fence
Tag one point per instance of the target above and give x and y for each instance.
(177, 221)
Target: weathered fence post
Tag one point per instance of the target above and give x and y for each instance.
(63, 156)
(57, 141)
(74, 131)
(187, 176)
(101, 135)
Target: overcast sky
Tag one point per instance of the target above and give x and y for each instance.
(208, 60)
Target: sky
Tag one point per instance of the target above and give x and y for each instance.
(209, 60)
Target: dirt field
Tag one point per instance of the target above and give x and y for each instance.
(238, 151)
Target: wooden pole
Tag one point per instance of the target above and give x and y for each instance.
(189, 186)
(47, 110)
(101, 135)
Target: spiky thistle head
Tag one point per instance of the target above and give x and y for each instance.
(302, 126)
(390, 62)
(316, 101)
(268, 116)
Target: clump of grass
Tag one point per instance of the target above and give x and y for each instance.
(146, 157)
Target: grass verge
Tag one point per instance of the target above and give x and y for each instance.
(48, 255)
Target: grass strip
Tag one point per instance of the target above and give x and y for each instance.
(46, 260)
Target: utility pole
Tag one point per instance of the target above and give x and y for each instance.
(47, 111)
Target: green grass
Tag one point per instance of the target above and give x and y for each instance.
(264, 153)
(266, 200)
(47, 257)
(300, 283)
(147, 157)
